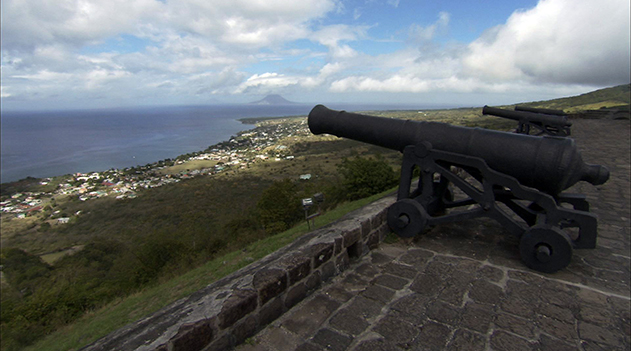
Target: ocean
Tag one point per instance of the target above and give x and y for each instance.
(47, 144)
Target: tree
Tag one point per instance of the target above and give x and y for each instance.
(280, 206)
(366, 176)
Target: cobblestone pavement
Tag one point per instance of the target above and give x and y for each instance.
(462, 286)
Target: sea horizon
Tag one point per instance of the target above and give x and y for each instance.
(42, 144)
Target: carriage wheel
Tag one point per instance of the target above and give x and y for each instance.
(545, 249)
(406, 218)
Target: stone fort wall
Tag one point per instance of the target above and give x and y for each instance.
(227, 312)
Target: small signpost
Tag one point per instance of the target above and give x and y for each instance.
(307, 203)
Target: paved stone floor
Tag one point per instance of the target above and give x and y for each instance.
(462, 286)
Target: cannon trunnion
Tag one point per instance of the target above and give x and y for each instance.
(513, 178)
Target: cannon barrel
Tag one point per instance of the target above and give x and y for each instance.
(545, 111)
(529, 116)
(545, 163)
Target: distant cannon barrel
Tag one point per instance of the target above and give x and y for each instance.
(545, 111)
(541, 118)
(548, 164)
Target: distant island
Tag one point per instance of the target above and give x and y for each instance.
(273, 99)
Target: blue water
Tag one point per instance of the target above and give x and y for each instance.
(46, 144)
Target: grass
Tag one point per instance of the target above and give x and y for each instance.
(117, 314)
(188, 166)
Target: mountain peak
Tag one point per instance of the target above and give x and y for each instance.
(273, 99)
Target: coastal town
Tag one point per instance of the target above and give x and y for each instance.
(264, 143)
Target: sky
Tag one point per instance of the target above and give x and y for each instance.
(70, 54)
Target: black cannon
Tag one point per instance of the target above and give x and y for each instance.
(515, 179)
(545, 111)
(539, 123)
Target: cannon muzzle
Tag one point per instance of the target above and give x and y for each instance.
(549, 164)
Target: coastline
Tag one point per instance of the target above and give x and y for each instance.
(56, 144)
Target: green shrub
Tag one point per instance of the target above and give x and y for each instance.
(366, 176)
(280, 206)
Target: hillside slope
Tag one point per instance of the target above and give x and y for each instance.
(609, 97)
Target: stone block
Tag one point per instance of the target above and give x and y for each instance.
(308, 347)
(373, 240)
(367, 270)
(490, 273)
(483, 291)
(503, 341)
(192, 336)
(270, 311)
(432, 336)
(396, 330)
(328, 270)
(561, 330)
(456, 285)
(338, 293)
(427, 284)
(314, 281)
(305, 319)
(321, 252)
(400, 270)
(548, 343)
(522, 327)
(237, 306)
(338, 245)
(366, 227)
(417, 257)
(342, 261)
(477, 317)
(378, 258)
(519, 307)
(376, 344)
(565, 314)
(443, 312)
(467, 340)
(295, 294)
(348, 322)
(390, 281)
(270, 282)
(379, 218)
(297, 267)
(365, 308)
(378, 293)
(223, 343)
(588, 331)
(243, 329)
(332, 340)
(351, 237)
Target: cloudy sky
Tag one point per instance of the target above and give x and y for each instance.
(95, 53)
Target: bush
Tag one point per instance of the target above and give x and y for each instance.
(366, 176)
(280, 206)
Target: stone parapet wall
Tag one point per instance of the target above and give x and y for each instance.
(227, 312)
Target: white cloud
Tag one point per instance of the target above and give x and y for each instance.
(393, 3)
(265, 83)
(4, 92)
(248, 23)
(46, 75)
(420, 34)
(331, 36)
(559, 41)
(557, 45)
(69, 22)
(194, 48)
